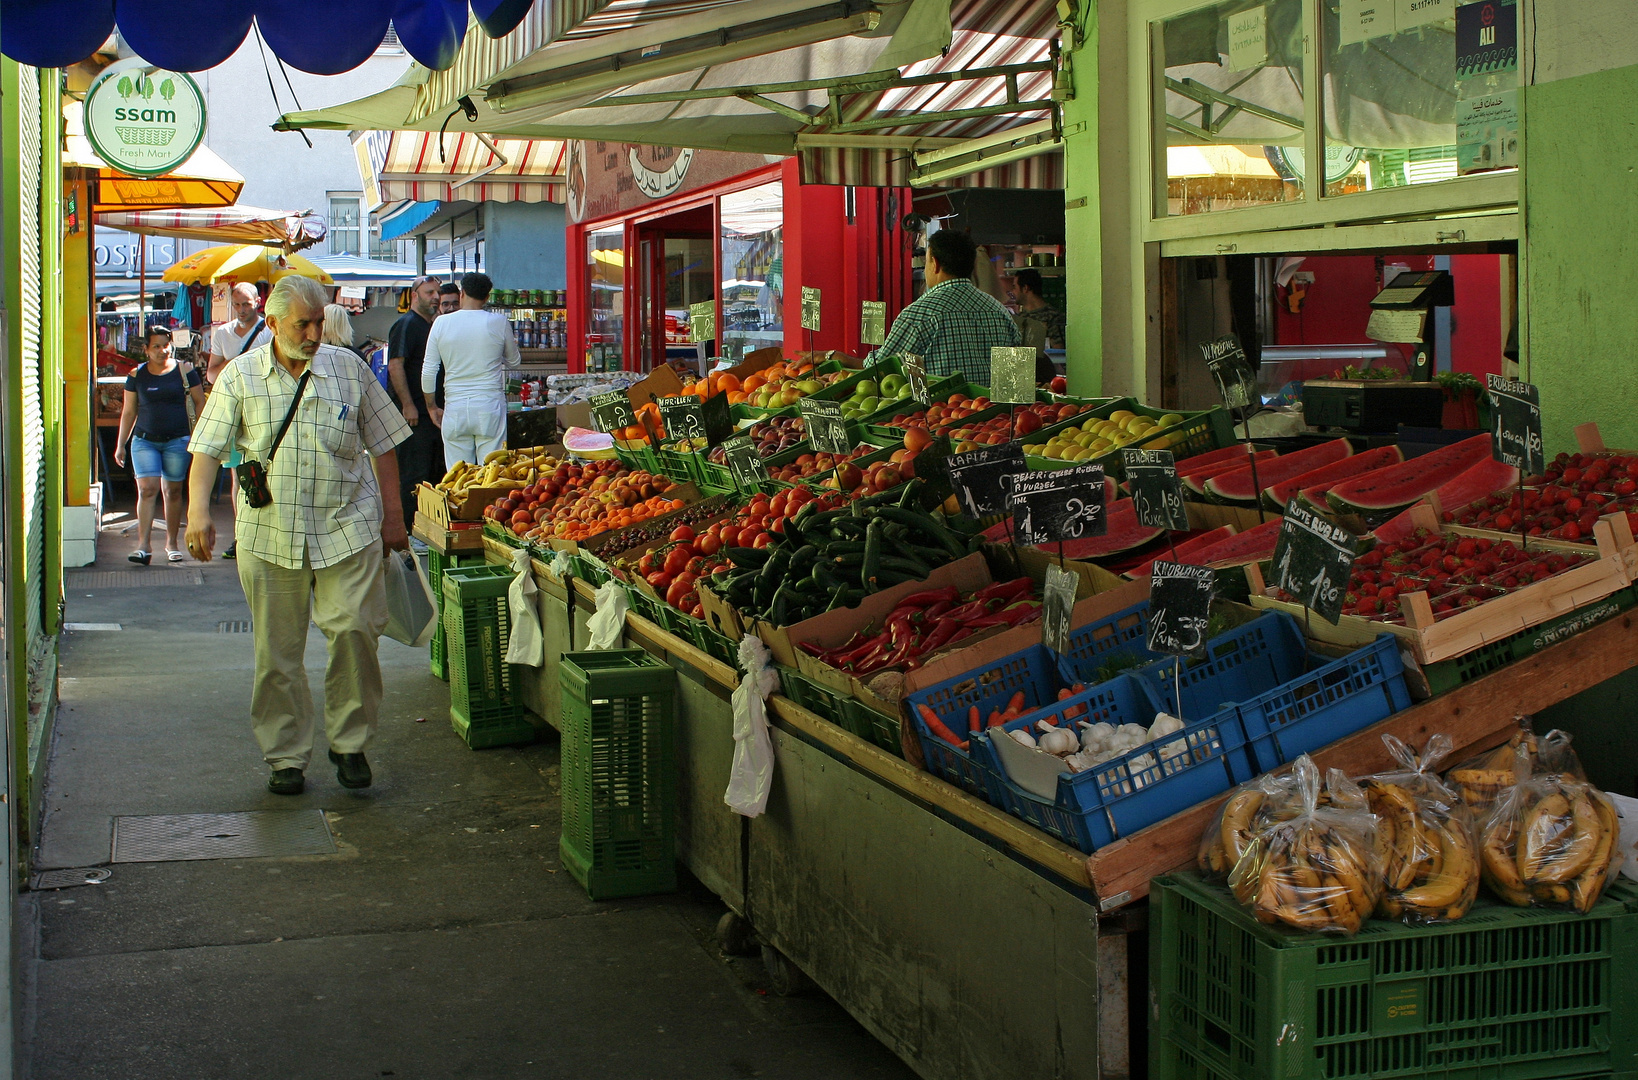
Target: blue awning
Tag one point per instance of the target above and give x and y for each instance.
(194, 35)
(404, 221)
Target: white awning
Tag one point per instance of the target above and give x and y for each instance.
(460, 166)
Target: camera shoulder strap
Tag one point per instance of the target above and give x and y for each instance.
(301, 386)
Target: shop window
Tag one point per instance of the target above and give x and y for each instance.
(344, 225)
(753, 270)
(606, 278)
(1231, 82)
(1419, 93)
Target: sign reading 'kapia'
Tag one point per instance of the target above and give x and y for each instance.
(142, 120)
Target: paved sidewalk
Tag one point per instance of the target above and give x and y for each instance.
(442, 940)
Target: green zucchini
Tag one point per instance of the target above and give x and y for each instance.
(874, 539)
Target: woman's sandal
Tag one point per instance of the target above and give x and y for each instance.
(139, 556)
(173, 556)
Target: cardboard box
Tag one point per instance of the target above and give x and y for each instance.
(577, 415)
(1033, 561)
(659, 383)
(441, 510)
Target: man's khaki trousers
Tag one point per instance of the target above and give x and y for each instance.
(348, 601)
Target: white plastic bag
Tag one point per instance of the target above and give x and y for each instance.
(608, 622)
(411, 614)
(525, 643)
(750, 778)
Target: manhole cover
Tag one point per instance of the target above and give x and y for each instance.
(68, 879)
(130, 579)
(233, 626)
(255, 834)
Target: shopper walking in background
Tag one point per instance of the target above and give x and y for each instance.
(476, 346)
(338, 331)
(421, 457)
(317, 421)
(155, 420)
(244, 332)
(953, 325)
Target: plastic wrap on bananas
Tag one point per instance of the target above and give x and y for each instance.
(1425, 838)
(1259, 804)
(1552, 840)
(1481, 780)
(1317, 870)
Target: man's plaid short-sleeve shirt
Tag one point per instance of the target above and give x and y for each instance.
(326, 502)
(952, 327)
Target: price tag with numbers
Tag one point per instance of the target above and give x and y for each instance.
(611, 411)
(1179, 608)
(915, 373)
(1515, 425)
(810, 308)
(1057, 602)
(977, 477)
(744, 464)
(1313, 560)
(687, 417)
(826, 427)
(1012, 375)
(1058, 504)
(702, 321)
(873, 322)
(1157, 493)
(1232, 371)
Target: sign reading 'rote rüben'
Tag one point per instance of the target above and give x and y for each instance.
(144, 121)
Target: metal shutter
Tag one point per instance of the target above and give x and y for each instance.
(27, 324)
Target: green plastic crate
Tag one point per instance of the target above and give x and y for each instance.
(812, 696)
(1504, 994)
(1197, 433)
(482, 708)
(639, 458)
(1447, 675)
(619, 773)
(678, 466)
(714, 643)
(879, 730)
(714, 479)
(437, 563)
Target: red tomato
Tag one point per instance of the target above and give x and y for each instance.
(645, 565)
(682, 532)
(659, 580)
(777, 506)
(777, 525)
(681, 587)
(762, 540)
(677, 559)
(696, 566)
(730, 536)
(721, 568)
(709, 544)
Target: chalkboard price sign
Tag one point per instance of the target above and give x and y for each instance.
(1012, 375)
(1058, 504)
(1157, 493)
(1313, 559)
(1057, 601)
(810, 308)
(827, 430)
(687, 417)
(702, 321)
(744, 464)
(611, 411)
(1515, 425)
(932, 469)
(977, 476)
(1179, 608)
(873, 322)
(915, 373)
(1229, 366)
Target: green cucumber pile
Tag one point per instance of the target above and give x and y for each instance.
(827, 559)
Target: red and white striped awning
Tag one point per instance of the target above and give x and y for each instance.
(399, 166)
(245, 224)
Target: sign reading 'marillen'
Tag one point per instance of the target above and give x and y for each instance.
(142, 120)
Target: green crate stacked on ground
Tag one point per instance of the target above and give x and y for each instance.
(1503, 994)
(482, 707)
(437, 563)
(619, 784)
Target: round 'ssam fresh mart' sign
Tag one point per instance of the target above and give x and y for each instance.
(142, 120)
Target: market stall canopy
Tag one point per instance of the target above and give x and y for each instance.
(246, 224)
(242, 262)
(204, 180)
(345, 269)
(197, 36)
(429, 167)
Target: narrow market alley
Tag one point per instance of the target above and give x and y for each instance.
(440, 939)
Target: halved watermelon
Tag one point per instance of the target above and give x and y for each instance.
(1211, 457)
(1196, 481)
(1186, 551)
(1242, 488)
(1382, 493)
(1275, 496)
(1474, 482)
(1249, 546)
(1124, 534)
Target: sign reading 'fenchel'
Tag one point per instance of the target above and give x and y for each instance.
(144, 121)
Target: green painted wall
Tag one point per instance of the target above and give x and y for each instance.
(1581, 254)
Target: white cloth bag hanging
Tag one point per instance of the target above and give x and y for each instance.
(608, 623)
(526, 643)
(750, 777)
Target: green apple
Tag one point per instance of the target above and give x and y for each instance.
(891, 385)
(869, 405)
(808, 386)
(866, 388)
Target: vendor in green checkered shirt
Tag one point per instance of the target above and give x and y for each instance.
(954, 324)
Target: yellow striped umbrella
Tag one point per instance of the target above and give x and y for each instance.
(242, 262)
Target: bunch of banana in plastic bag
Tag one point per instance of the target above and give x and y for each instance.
(1424, 838)
(1483, 779)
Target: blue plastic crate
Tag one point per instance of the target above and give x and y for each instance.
(1124, 794)
(1252, 659)
(1330, 702)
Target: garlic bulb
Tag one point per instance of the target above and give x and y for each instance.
(1164, 725)
(1057, 741)
(1024, 737)
(1045, 726)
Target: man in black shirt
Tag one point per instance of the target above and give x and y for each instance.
(421, 456)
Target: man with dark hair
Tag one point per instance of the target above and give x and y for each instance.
(953, 325)
(1036, 318)
(420, 457)
(474, 347)
(449, 298)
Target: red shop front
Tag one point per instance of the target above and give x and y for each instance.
(655, 230)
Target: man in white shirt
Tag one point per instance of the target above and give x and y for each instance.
(474, 348)
(247, 330)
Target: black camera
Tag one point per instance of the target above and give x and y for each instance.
(253, 483)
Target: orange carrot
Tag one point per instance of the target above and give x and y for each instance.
(936, 726)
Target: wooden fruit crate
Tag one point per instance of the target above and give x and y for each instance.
(449, 538)
(1615, 568)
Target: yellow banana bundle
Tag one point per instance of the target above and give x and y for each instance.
(1257, 806)
(1424, 838)
(1481, 780)
(1318, 870)
(504, 470)
(1553, 841)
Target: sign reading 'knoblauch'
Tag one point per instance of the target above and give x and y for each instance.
(144, 121)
